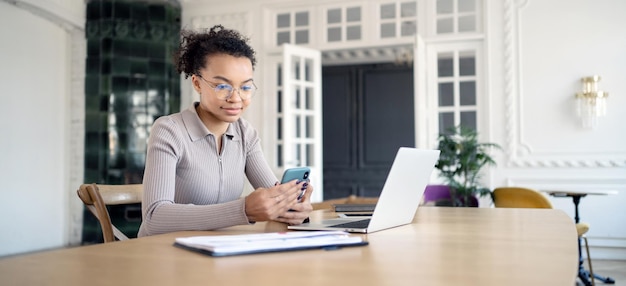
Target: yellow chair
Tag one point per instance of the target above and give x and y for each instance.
(516, 197)
(97, 197)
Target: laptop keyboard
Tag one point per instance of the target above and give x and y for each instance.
(353, 224)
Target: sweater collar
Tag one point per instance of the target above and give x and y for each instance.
(195, 127)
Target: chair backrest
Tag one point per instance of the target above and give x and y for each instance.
(516, 197)
(97, 197)
(434, 193)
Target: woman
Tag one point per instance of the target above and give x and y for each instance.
(197, 159)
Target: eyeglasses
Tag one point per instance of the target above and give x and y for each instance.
(225, 91)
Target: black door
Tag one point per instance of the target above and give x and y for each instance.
(368, 115)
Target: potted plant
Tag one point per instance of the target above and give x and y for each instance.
(461, 159)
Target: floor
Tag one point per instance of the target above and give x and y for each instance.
(615, 269)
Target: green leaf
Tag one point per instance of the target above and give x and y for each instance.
(462, 158)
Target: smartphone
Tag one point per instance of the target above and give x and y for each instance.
(300, 174)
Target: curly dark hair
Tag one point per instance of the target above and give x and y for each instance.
(196, 46)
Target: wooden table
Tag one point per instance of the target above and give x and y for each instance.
(443, 246)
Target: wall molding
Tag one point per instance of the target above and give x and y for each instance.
(521, 154)
(55, 12)
(574, 182)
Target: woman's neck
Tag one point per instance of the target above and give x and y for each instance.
(215, 126)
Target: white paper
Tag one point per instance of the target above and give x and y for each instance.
(275, 241)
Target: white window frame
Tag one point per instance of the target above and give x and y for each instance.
(432, 85)
(292, 27)
(288, 141)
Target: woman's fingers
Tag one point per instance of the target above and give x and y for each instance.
(299, 211)
(293, 217)
(307, 194)
(270, 203)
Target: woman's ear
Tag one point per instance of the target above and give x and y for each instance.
(195, 81)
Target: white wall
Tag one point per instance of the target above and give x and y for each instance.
(33, 152)
(539, 50)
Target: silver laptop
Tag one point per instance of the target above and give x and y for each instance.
(398, 201)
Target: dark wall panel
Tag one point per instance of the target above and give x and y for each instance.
(130, 82)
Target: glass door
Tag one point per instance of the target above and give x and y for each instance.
(299, 116)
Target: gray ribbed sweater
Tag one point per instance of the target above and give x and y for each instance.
(188, 185)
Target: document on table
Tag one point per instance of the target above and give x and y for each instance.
(226, 245)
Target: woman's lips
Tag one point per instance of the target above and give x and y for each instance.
(232, 110)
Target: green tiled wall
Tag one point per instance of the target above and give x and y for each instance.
(130, 81)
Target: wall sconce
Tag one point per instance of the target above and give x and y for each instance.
(591, 103)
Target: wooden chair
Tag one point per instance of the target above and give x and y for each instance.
(516, 197)
(97, 197)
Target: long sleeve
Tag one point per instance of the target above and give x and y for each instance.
(188, 185)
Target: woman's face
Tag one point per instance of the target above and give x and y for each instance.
(223, 69)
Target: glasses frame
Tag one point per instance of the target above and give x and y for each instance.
(232, 89)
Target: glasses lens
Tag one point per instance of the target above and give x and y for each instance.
(223, 91)
(247, 91)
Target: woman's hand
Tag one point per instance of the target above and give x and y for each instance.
(300, 211)
(265, 204)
